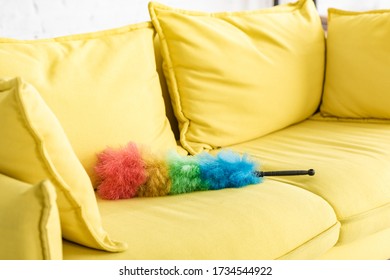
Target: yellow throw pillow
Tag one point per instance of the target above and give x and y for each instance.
(236, 76)
(357, 83)
(29, 222)
(102, 86)
(34, 147)
(164, 88)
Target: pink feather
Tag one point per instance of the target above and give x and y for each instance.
(120, 172)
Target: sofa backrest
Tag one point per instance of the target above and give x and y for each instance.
(102, 86)
(164, 88)
(237, 76)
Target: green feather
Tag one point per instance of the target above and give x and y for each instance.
(184, 172)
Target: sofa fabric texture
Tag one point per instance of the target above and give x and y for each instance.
(93, 84)
(268, 83)
(357, 85)
(339, 151)
(34, 148)
(266, 221)
(214, 60)
(30, 229)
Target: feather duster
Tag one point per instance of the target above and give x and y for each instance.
(130, 172)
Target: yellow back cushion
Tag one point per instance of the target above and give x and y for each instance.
(103, 87)
(29, 222)
(34, 147)
(164, 88)
(236, 76)
(357, 83)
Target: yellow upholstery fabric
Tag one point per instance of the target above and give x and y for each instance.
(29, 222)
(33, 147)
(357, 83)
(236, 76)
(372, 247)
(103, 87)
(164, 88)
(351, 160)
(267, 221)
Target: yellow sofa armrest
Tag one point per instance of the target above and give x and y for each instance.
(29, 221)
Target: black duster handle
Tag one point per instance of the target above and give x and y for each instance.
(309, 172)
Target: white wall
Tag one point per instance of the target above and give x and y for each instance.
(31, 19)
(351, 5)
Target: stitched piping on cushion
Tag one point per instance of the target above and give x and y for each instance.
(338, 12)
(290, 7)
(51, 171)
(81, 36)
(153, 8)
(185, 122)
(105, 33)
(364, 215)
(320, 117)
(45, 213)
(48, 166)
(349, 219)
(327, 231)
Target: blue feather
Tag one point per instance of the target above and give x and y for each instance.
(227, 169)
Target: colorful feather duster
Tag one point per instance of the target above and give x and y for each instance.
(129, 172)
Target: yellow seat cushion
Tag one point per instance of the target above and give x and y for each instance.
(102, 86)
(235, 76)
(357, 83)
(29, 221)
(271, 220)
(34, 147)
(352, 163)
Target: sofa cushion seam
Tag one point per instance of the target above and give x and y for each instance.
(324, 232)
(363, 215)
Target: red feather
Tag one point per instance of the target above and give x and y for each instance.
(120, 172)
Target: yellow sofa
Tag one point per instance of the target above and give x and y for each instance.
(265, 83)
